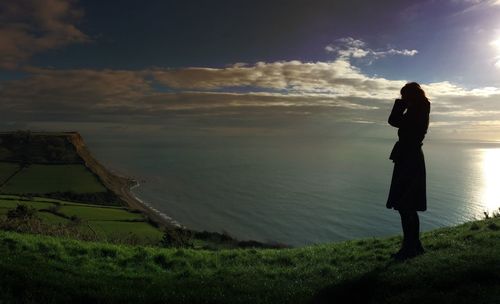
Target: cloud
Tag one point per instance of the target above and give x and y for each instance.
(472, 6)
(337, 78)
(102, 90)
(349, 47)
(28, 27)
(497, 63)
(496, 44)
(404, 52)
(191, 98)
(256, 97)
(474, 3)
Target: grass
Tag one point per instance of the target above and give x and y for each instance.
(92, 213)
(52, 219)
(124, 230)
(53, 178)
(10, 204)
(24, 199)
(109, 223)
(462, 265)
(6, 170)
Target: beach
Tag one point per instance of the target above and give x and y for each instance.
(120, 185)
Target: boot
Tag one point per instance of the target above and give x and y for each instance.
(419, 249)
(406, 252)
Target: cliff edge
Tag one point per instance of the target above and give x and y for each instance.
(119, 185)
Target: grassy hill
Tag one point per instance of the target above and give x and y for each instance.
(49, 165)
(462, 265)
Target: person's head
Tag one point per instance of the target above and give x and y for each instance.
(413, 93)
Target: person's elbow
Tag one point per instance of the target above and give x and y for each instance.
(393, 122)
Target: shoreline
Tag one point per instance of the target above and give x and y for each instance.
(133, 202)
(164, 216)
(120, 185)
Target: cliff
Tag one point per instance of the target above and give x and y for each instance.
(68, 148)
(119, 185)
(60, 148)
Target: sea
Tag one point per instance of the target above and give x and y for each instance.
(300, 191)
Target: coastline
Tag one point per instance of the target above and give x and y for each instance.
(119, 189)
(164, 216)
(132, 201)
(121, 186)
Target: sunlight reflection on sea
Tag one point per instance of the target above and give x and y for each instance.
(490, 188)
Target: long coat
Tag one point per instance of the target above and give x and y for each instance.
(408, 185)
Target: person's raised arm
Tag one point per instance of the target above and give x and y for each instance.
(396, 117)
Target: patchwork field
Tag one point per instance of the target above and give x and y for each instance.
(41, 179)
(105, 221)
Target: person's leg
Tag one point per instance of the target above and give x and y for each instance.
(410, 246)
(419, 249)
(406, 225)
(411, 233)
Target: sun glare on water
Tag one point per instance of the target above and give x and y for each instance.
(490, 194)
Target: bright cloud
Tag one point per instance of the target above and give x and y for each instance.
(496, 45)
(337, 78)
(495, 2)
(354, 48)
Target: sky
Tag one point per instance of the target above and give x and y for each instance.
(248, 68)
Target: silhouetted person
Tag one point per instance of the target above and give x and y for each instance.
(407, 194)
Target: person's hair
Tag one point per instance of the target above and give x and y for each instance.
(414, 91)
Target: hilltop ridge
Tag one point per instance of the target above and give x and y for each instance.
(461, 266)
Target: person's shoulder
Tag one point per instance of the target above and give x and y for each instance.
(425, 105)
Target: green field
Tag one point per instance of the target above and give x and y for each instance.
(11, 203)
(6, 170)
(52, 219)
(108, 222)
(41, 179)
(461, 266)
(123, 230)
(92, 213)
